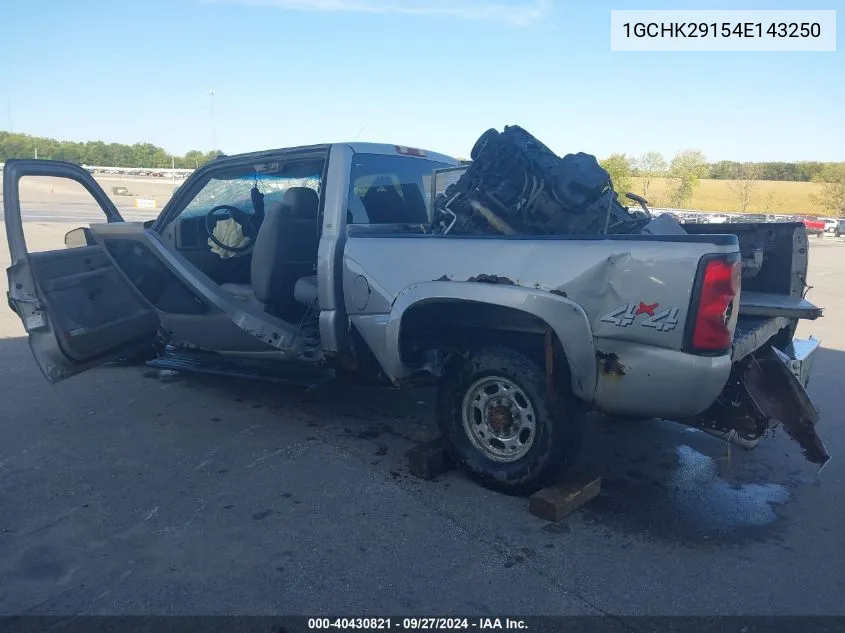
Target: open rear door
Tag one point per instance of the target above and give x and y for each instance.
(77, 309)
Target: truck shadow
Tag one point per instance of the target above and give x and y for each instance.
(658, 477)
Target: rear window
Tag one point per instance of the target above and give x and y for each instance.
(388, 189)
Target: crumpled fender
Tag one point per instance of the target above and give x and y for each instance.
(566, 318)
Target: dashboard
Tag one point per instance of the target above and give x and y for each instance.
(191, 234)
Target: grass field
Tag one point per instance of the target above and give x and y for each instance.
(768, 196)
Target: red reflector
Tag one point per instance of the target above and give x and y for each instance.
(719, 287)
(410, 151)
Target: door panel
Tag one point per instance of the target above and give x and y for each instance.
(93, 308)
(77, 309)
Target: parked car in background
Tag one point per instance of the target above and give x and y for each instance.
(747, 217)
(814, 225)
(718, 218)
(830, 224)
(839, 231)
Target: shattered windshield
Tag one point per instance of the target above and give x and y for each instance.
(234, 188)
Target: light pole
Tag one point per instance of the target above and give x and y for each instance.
(213, 134)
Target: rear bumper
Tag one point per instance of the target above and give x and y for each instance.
(799, 356)
(777, 385)
(752, 332)
(764, 391)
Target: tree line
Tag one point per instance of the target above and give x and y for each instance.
(804, 171)
(684, 170)
(687, 168)
(149, 155)
(98, 153)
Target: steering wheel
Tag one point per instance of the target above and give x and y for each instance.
(226, 211)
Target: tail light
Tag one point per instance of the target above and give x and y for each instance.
(718, 288)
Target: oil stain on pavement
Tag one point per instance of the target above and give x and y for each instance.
(663, 481)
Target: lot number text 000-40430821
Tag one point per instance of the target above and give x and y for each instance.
(417, 624)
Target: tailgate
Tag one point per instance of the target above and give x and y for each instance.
(770, 304)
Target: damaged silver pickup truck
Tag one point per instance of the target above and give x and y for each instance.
(394, 265)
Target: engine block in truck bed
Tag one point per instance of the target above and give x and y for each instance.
(517, 185)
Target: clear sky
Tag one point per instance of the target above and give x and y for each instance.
(426, 73)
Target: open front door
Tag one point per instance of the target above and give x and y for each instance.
(77, 309)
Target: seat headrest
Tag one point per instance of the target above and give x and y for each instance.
(272, 208)
(301, 202)
(382, 182)
(383, 203)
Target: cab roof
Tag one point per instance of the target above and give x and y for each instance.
(395, 150)
(359, 148)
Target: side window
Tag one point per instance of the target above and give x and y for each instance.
(234, 188)
(50, 206)
(388, 189)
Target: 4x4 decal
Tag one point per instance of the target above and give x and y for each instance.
(663, 321)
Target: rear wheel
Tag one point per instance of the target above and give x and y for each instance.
(501, 424)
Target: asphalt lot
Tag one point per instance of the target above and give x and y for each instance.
(133, 491)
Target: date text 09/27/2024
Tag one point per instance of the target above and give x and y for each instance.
(723, 29)
(417, 624)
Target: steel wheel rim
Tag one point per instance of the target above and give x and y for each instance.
(499, 419)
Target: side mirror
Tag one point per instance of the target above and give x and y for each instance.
(79, 238)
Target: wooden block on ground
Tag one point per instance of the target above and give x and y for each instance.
(555, 502)
(429, 460)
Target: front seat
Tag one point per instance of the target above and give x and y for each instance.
(285, 250)
(383, 203)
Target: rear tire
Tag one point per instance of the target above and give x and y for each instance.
(500, 423)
